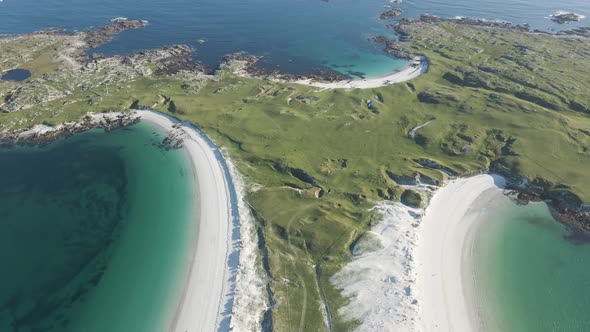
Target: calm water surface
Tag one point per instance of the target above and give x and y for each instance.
(94, 233)
(531, 277)
(294, 35)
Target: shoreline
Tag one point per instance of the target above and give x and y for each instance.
(445, 253)
(414, 270)
(417, 66)
(208, 289)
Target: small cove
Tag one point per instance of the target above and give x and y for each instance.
(96, 230)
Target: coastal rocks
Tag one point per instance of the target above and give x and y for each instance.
(565, 206)
(170, 60)
(563, 18)
(392, 13)
(393, 47)
(399, 27)
(98, 37)
(582, 32)
(245, 65)
(41, 134)
(174, 140)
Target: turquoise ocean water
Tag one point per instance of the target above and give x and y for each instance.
(530, 276)
(95, 232)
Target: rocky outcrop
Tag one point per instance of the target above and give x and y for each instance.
(42, 134)
(169, 60)
(243, 64)
(98, 37)
(393, 47)
(392, 13)
(582, 32)
(565, 206)
(563, 18)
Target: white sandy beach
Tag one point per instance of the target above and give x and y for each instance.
(205, 293)
(417, 67)
(222, 292)
(415, 273)
(445, 251)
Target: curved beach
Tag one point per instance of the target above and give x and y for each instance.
(207, 289)
(416, 67)
(417, 271)
(445, 253)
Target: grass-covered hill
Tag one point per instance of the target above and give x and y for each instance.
(316, 161)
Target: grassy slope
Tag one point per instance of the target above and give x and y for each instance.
(261, 123)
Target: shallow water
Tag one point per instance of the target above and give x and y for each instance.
(294, 35)
(532, 277)
(95, 231)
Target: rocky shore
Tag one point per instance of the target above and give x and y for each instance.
(100, 36)
(80, 72)
(246, 65)
(43, 134)
(398, 49)
(566, 207)
(392, 13)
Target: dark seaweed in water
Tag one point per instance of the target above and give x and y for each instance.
(16, 75)
(64, 206)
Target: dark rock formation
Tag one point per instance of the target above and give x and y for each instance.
(582, 32)
(565, 206)
(563, 18)
(393, 47)
(395, 12)
(98, 37)
(20, 137)
(253, 69)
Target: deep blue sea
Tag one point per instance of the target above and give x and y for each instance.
(294, 35)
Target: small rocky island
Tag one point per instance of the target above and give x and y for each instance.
(563, 18)
(395, 12)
